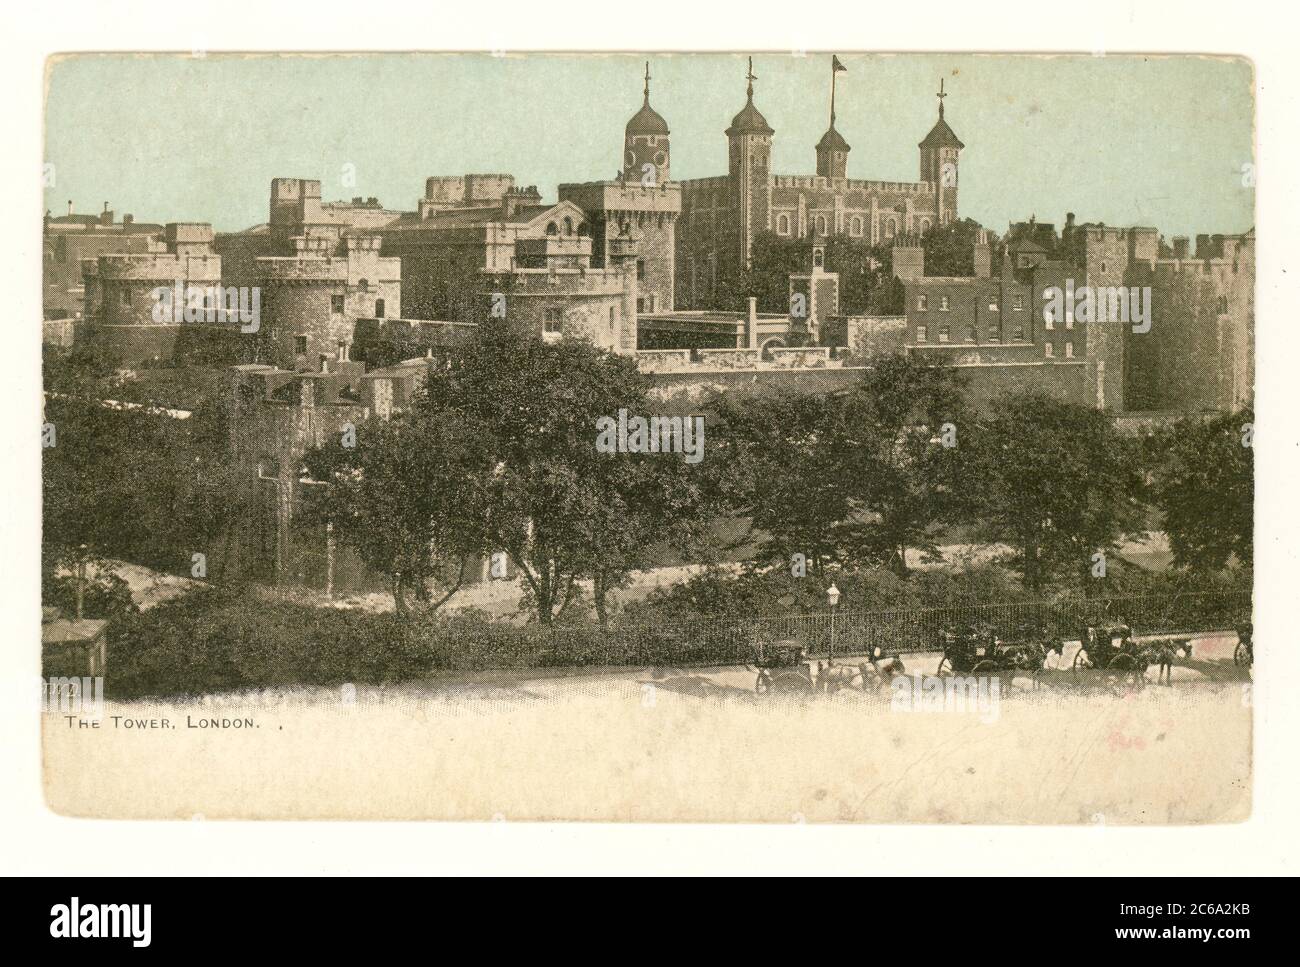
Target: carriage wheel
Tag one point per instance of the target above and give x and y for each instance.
(1082, 664)
(945, 667)
(1243, 655)
(1125, 672)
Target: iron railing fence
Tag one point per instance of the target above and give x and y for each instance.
(902, 631)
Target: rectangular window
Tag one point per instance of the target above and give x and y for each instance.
(300, 345)
(922, 303)
(993, 305)
(943, 303)
(1019, 335)
(553, 323)
(1017, 302)
(126, 298)
(995, 334)
(343, 352)
(336, 303)
(920, 334)
(640, 270)
(1069, 350)
(943, 334)
(613, 317)
(1047, 350)
(971, 334)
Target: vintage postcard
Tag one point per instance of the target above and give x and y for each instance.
(839, 436)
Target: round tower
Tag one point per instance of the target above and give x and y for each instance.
(645, 144)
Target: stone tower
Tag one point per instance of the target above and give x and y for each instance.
(939, 153)
(832, 149)
(645, 144)
(749, 152)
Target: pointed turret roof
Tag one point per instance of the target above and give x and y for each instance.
(941, 136)
(750, 120)
(647, 120)
(832, 140)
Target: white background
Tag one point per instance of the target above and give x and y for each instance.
(34, 841)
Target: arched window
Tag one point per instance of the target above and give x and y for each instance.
(783, 224)
(379, 308)
(855, 226)
(821, 224)
(363, 285)
(552, 228)
(891, 228)
(925, 225)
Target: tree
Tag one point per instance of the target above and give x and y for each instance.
(898, 443)
(408, 497)
(1204, 479)
(563, 510)
(1055, 480)
(867, 282)
(130, 477)
(785, 474)
(950, 249)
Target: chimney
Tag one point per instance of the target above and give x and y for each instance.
(982, 256)
(1180, 246)
(908, 258)
(69, 207)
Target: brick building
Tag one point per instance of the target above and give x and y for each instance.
(70, 239)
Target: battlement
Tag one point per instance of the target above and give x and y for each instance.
(324, 269)
(598, 196)
(154, 267)
(555, 281)
(480, 189)
(294, 189)
(853, 184)
(1168, 268)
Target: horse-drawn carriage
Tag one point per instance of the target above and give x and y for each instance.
(1111, 651)
(785, 668)
(979, 650)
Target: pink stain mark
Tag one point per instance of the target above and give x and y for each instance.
(1117, 740)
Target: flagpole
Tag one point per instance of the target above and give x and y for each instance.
(833, 73)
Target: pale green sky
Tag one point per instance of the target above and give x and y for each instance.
(1122, 139)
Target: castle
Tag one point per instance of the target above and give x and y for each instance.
(635, 265)
(356, 296)
(721, 215)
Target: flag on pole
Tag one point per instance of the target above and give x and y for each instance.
(836, 65)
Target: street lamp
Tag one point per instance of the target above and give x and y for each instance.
(832, 598)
